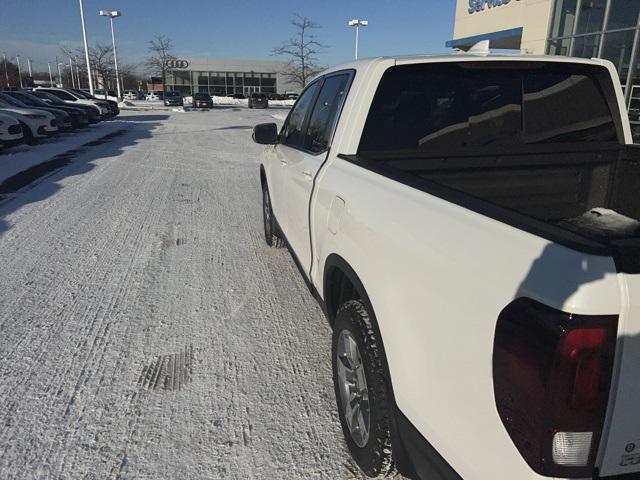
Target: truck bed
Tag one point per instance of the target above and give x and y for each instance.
(585, 196)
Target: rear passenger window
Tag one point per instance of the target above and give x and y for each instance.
(325, 112)
(462, 105)
(292, 134)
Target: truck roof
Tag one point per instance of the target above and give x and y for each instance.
(460, 57)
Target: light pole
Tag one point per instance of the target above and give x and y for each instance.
(19, 72)
(29, 62)
(60, 75)
(75, 58)
(50, 76)
(6, 72)
(86, 48)
(358, 23)
(113, 14)
(73, 79)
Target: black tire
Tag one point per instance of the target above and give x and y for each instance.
(374, 457)
(269, 221)
(27, 134)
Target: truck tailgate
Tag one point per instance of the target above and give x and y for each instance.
(621, 440)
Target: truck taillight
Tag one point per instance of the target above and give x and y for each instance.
(552, 373)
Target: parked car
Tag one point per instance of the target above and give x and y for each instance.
(36, 124)
(275, 96)
(130, 95)
(202, 100)
(470, 224)
(92, 111)
(238, 96)
(10, 131)
(258, 100)
(173, 99)
(291, 96)
(73, 98)
(79, 118)
(154, 96)
(63, 120)
(111, 104)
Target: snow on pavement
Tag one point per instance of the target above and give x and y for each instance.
(147, 331)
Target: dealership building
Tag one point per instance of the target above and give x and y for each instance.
(606, 29)
(224, 77)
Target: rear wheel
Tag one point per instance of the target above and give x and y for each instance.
(361, 393)
(270, 232)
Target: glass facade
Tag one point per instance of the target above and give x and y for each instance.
(189, 82)
(600, 28)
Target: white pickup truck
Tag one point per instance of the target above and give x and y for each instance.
(470, 226)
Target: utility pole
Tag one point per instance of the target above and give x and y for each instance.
(50, 76)
(29, 62)
(60, 74)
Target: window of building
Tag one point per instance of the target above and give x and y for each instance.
(564, 17)
(559, 46)
(586, 46)
(325, 112)
(591, 16)
(292, 133)
(623, 13)
(616, 47)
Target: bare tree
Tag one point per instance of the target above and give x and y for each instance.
(302, 50)
(159, 52)
(101, 59)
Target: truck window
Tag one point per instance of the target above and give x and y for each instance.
(325, 112)
(475, 104)
(292, 134)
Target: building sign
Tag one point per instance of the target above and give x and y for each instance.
(479, 5)
(176, 63)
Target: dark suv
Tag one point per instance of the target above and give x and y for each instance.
(172, 99)
(202, 100)
(258, 100)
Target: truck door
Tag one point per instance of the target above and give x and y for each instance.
(304, 163)
(620, 445)
(286, 151)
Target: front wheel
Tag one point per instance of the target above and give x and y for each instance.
(270, 232)
(361, 393)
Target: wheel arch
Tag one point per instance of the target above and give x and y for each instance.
(337, 271)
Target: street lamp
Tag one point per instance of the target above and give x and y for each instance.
(86, 49)
(358, 23)
(50, 76)
(113, 14)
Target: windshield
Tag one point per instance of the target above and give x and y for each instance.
(83, 94)
(27, 99)
(63, 95)
(462, 105)
(48, 96)
(9, 99)
(202, 96)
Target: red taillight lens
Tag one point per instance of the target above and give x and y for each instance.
(552, 374)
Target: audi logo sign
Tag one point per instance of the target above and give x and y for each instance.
(175, 63)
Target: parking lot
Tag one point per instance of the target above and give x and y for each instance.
(148, 331)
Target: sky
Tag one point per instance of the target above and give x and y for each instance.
(224, 28)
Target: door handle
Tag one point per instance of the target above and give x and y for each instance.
(308, 175)
(283, 161)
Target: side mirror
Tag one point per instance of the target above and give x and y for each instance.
(265, 133)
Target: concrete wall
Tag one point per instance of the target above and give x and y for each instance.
(533, 15)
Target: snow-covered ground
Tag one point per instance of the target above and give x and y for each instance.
(147, 331)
